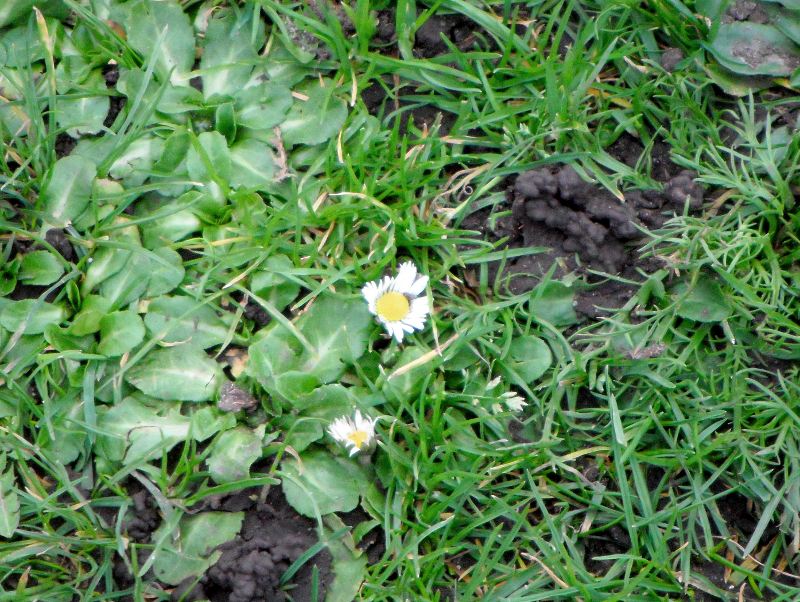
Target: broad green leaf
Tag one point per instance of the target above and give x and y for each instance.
(317, 410)
(176, 146)
(67, 416)
(31, 315)
(182, 319)
(264, 106)
(67, 192)
(70, 71)
(253, 165)
(134, 432)
(172, 227)
(182, 372)
(408, 383)
(755, 49)
(338, 330)
(173, 100)
(110, 257)
(228, 56)
(528, 357)
(8, 276)
(300, 432)
(786, 20)
(271, 283)
(84, 109)
(120, 332)
(349, 569)
(9, 502)
(166, 271)
(12, 11)
(233, 453)
(192, 551)
(40, 268)
(552, 302)
(135, 165)
(274, 353)
(146, 23)
(146, 273)
(322, 483)
(61, 339)
(216, 150)
(225, 121)
(705, 302)
(317, 119)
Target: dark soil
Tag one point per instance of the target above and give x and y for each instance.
(584, 226)
(430, 40)
(272, 537)
(111, 76)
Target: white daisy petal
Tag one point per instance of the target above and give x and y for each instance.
(356, 434)
(406, 274)
(396, 329)
(418, 286)
(395, 302)
(420, 307)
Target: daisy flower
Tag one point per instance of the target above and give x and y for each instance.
(396, 301)
(357, 433)
(514, 402)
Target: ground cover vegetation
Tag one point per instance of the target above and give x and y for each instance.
(442, 300)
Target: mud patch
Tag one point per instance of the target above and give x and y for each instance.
(585, 227)
(250, 569)
(756, 53)
(273, 536)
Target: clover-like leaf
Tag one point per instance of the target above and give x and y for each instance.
(182, 319)
(182, 372)
(317, 118)
(704, 302)
(322, 483)
(754, 49)
(30, 315)
(528, 358)
(193, 550)
(68, 190)
(147, 21)
(233, 454)
(120, 331)
(40, 268)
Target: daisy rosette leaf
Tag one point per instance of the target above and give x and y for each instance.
(317, 483)
(317, 349)
(356, 434)
(398, 302)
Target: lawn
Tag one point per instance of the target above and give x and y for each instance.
(418, 300)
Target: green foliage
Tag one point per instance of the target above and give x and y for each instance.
(9, 501)
(254, 164)
(136, 429)
(321, 484)
(40, 268)
(120, 332)
(190, 550)
(233, 453)
(68, 190)
(179, 372)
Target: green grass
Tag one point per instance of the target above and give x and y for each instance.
(642, 435)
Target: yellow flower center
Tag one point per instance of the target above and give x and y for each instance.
(358, 438)
(392, 306)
